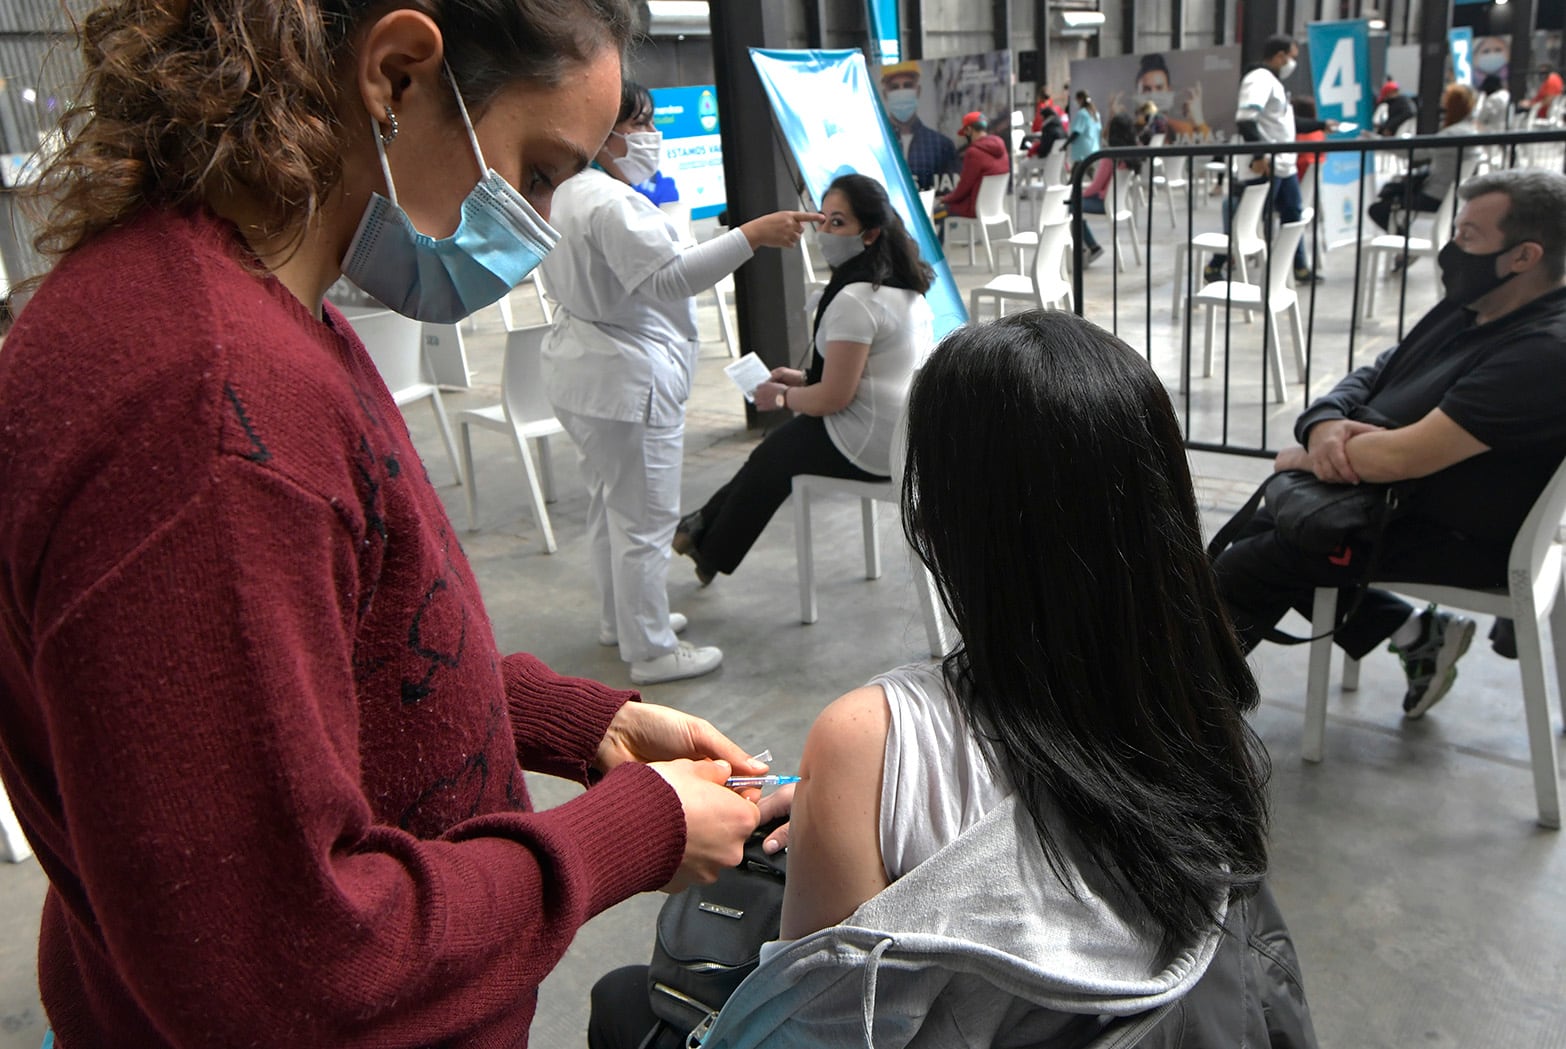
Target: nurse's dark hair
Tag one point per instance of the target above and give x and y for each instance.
(184, 99)
(634, 100)
(895, 254)
(1046, 488)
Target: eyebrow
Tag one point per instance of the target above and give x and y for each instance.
(578, 156)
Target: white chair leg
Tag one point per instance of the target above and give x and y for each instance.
(973, 306)
(535, 491)
(543, 302)
(505, 313)
(1558, 639)
(1177, 295)
(802, 553)
(937, 631)
(969, 223)
(1136, 243)
(546, 469)
(1207, 356)
(725, 324)
(869, 513)
(445, 433)
(1273, 339)
(984, 232)
(1350, 675)
(1323, 615)
(1297, 330)
(1368, 265)
(13, 843)
(467, 471)
(1536, 708)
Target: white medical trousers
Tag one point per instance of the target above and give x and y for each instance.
(632, 472)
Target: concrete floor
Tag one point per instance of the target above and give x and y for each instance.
(1425, 902)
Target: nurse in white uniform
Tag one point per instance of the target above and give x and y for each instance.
(618, 367)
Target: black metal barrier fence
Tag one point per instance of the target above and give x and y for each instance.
(1215, 418)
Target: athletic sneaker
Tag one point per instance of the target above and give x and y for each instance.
(1093, 253)
(688, 533)
(1214, 272)
(685, 661)
(1430, 663)
(611, 637)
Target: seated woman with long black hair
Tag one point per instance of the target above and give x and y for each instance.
(1063, 826)
(873, 327)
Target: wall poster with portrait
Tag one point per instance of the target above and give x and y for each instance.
(925, 102)
(1195, 91)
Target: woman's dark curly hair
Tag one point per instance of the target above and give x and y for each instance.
(185, 99)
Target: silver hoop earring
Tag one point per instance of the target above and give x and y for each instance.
(390, 135)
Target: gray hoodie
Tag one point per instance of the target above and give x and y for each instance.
(978, 946)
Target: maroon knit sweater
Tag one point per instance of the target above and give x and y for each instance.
(252, 715)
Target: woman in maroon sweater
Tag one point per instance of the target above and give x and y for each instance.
(252, 714)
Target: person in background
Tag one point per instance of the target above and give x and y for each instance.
(1050, 135)
(618, 367)
(1122, 133)
(1400, 109)
(985, 154)
(1550, 87)
(1085, 130)
(1044, 106)
(1150, 122)
(1494, 114)
(873, 328)
(253, 719)
(1001, 837)
(1434, 172)
(1307, 129)
(1492, 56)
(932, 157)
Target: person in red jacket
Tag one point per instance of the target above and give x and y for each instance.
(984, 155)
(253, 717)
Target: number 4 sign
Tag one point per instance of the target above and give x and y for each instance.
(1340, 58)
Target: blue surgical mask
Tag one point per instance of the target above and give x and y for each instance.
(902, 104)
(499, 241)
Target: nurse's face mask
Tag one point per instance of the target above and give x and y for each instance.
(498, 242)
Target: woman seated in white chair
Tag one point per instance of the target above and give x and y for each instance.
(1064, 822)
(873, 327)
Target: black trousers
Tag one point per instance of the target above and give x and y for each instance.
(737, 513)
(1392, 199)
(622, 1017)
(1261, 577)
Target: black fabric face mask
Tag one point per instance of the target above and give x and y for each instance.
(1468, 277)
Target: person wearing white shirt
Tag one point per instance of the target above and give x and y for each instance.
(1265, 115)
(617, 369)
(873, 330)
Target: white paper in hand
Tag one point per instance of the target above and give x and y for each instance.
(748, 373)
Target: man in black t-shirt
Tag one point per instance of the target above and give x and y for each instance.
(1473, 396)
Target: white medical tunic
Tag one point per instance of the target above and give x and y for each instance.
(616, 352)
(1263, 99)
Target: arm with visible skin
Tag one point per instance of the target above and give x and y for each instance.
(1426, 447)
(835, 859)
(845, 366)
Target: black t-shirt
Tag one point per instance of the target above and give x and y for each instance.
(1504, 382)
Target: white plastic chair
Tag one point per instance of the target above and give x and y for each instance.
(1279, 299)
(1249, 241)
(1533, 592)
(989, 210)
(1389, 246)
(523, 413)
(1118, 211)
(1170, 179)
(395, 344)
(1051, 208)
(1045, 286)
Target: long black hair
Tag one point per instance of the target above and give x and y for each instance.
(894, 257)
(1047, 489)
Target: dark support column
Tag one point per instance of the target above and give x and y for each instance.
(770, 288)
(815, 25)
(1288, 17)
(1002, 23)
(1220, 17)
(1408, 14)
(1435, 18)
(1176, 24)
(1041, 41)
(1258, 21)
(1524, 14)
(913, 30)
(1127, 30)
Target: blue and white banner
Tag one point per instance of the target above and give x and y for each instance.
(1340, 60)
(881, 16)
(691, 171)
(1460, 44)
(827, 108)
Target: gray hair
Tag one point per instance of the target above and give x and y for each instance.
(1537, 211)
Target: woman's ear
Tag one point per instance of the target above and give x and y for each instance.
(871, 236)
(400, 51)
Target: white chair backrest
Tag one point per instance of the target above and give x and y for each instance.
(1055, 165)
(1280, 259)
(1053, 207)
(1174, 168)
(1540, 526)
(991, 205)
(1049, 260)
(927, 198)
(1248, 216)
(1378, 116)
(521, 376)
(1119, 192)
(1017, 135)
(1157, 139)
(1407, 129)
(396, 345)
(1442, 231)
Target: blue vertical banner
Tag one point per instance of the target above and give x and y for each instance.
(881, 16)
(828, 110)
(1340, 63)
(1460, 44)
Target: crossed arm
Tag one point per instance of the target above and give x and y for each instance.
(1343, 451)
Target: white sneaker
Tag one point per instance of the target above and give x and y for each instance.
(677, 622)
(685, 661)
